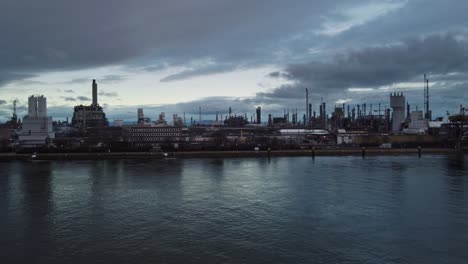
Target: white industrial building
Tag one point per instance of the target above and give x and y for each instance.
(297, 132)
(417, 124)
(397, 102)
(37, 126)
(344, 137)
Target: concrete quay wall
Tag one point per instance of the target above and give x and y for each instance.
(224, 154)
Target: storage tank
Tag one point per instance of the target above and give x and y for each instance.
(41, 106)
(32, 106)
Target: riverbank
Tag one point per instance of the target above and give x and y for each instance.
(223, 154)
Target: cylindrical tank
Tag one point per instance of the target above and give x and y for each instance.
(32, 106)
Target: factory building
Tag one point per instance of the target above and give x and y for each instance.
(141, 119)
(90, 116)
(337, 118)
(417, 124)
(37, 126)
(177, 120)
(397, 102)
(161, 119)
(147, 136)
(259, 115)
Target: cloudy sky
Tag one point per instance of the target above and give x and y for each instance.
(177, 55)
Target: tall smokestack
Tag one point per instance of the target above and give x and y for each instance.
(307, 107)
(95, 93)
(428, 114)
(408, 111)
(259, 115)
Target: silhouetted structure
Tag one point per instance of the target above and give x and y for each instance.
(90, 116)
(236, 121)
(428, 114)
(259, 115)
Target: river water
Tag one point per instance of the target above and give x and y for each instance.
(383, 209)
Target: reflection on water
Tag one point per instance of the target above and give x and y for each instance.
(456, 165)
(386, 209)
(28, 199)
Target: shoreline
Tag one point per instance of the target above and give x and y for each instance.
(225, 154)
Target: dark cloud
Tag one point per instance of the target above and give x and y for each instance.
(176, 32)
(69, 99)
(69, 91)
(372, 67)
(285, 92)
(83, 98)
(89, 34)
(416, 18)
(2, 102)
(156, 67)
(111, 78)
(7, 77)
(203, 70)
(150, 35)
(78, 81)
(277, 74)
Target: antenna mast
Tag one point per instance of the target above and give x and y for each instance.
(307, 107)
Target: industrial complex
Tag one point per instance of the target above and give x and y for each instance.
(346, 127)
